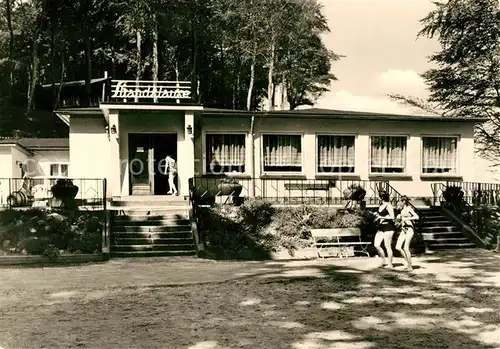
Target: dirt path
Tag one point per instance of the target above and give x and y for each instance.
(450, 301)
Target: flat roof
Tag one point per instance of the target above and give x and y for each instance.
(338, 114)
(311, 113)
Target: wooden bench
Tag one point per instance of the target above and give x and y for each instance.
(307, 186)
(337, 237)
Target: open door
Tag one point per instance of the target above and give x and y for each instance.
(147, 153)
(141, 164)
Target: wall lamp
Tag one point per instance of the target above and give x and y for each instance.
(113, 129)
(189, 129)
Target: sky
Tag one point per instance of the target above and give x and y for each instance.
(383, 53)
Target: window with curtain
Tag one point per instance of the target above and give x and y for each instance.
(388, 154)
(282, 153)
(335, 154)
(225, 153)
(439, 154)
(59, 170)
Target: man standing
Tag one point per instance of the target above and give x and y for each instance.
(171, 172)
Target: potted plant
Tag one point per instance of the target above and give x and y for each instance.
(453, 194)
(65, 191)
(229, 186)
(354, 192)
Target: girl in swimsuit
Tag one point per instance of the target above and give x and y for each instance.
(407, 216)
(385, 217)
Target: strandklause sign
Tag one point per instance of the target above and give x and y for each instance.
(150, 89)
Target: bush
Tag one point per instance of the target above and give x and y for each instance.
(38, 231)
(257, 228)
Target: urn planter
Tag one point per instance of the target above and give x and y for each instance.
(65, 192)
(230, 189)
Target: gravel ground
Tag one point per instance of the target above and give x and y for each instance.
(450, 301)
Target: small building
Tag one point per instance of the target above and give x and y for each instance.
(127, 137)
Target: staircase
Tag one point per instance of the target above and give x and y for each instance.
(151, 226)
(439, 232)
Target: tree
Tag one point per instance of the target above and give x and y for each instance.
(466, 79)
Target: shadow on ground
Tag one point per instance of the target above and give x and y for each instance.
(447, 303)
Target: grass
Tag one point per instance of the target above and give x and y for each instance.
(450, 301)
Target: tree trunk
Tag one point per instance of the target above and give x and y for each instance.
(138, 59)
(63, 69)
(34, 75)
(88, 79)
(155, 57)
(8, 13)
(250, 85)
(270, 81)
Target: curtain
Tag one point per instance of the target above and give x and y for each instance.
(439, 153)
(388, 151)
(282, 150)
(225, 149)
(336, 151)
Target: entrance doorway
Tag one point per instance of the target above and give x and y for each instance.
(147, 165)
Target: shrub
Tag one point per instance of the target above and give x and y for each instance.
(38, 231)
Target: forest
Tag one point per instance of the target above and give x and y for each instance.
(235, 53)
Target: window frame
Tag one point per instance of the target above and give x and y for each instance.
(393, 174)
(457, 154)
(316, 162)
(204, 150)
(282, 173)
(59, 164)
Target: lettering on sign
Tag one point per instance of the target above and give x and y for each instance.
(149, 90)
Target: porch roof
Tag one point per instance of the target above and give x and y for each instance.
(338, 114)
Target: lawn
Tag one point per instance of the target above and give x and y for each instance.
(450, 301)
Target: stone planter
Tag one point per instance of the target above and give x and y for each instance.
(453, 194)
(64, 192)
(230, 189)
(356, 194)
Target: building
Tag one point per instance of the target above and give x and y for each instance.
(126, 138)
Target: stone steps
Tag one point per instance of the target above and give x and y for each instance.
(440, 233)
(151, 226)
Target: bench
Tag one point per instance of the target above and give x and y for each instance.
(338, 237)
(307, 186)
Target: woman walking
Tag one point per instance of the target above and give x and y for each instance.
(385, 218)
(407, 216)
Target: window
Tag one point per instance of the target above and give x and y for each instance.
(225, 153)
(439, 154)
(282, 153)
(59, 170)
(335, 154)
(388, 154)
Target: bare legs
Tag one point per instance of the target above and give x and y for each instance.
(171, 184)
(403, 246)
(386, 237)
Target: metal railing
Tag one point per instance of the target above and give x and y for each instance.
(281, 191)
(467, 213)
(476, 193)
(38, 192)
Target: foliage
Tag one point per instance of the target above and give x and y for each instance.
(234, 52)
(464, 81)
(38, 231)
(259, 228)
(489, 223)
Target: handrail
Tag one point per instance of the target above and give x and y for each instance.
(467, 213)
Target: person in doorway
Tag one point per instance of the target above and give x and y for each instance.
(385, 219)
(171, 172)
(407, 216)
